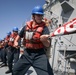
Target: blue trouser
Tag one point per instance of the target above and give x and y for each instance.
(1, 54)
(12, 55)
(36, 59)
(4, 56)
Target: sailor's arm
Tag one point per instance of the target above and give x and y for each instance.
(45, 40)
(20, 35)
(16, 41)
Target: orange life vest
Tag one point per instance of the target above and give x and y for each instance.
(7, 38)
(11, 40)
(34, 33)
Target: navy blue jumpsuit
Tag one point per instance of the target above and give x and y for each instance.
(35, 58)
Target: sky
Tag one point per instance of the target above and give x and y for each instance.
(14, 13)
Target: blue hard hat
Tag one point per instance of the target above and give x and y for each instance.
(15, 29)
(9, 33)
(38, 10)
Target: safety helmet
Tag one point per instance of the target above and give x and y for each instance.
(37, 10)
(15, 29)
(9, 33)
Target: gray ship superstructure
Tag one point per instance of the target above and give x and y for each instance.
(62, 55)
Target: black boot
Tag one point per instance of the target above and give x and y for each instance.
(3, 65)
(8, 71)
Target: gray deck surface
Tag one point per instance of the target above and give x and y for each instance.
(31, 71)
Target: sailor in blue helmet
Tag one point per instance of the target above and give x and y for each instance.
(0, 50)
(9, 33)
(15, 29)
(12, 52)
(36, 39)
(4, 51)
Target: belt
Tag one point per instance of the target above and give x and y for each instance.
(33, 46)
(34, 50)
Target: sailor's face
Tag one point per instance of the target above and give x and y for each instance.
(38, 18)
(15, 32)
